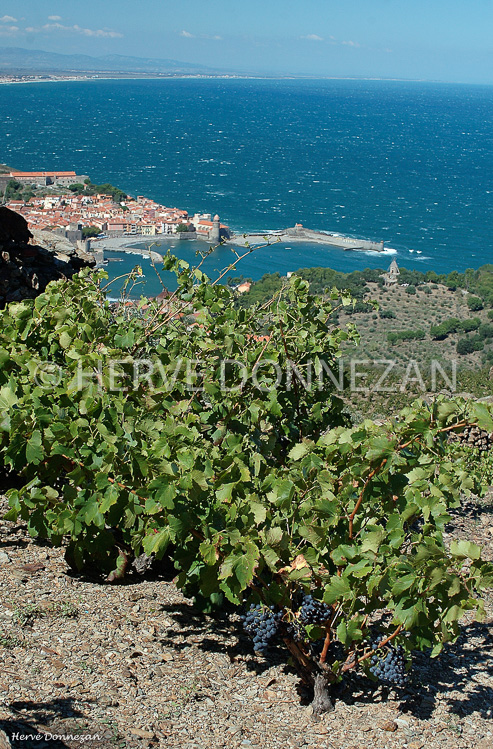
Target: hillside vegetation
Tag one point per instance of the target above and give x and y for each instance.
(425, 318)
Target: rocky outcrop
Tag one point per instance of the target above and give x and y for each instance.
(28, 263)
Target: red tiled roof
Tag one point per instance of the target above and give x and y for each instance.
(42, 174)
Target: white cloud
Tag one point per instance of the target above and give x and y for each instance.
(188, 35)
(351, 44)
(312, 37)
(8, 30)
(75, 29)
(8, 19)
(54, 18)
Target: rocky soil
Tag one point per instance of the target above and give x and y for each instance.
(135, 666)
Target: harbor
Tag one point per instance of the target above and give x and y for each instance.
(141, 245)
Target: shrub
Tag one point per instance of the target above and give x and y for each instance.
(465, 346)
(441, 331)
(406, 335)
(474, 303)
(468, 325)
(359, 306)
(90, 231)
(411, 289)
(469, 345)
(485, 331)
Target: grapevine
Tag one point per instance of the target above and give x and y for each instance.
(264, 493)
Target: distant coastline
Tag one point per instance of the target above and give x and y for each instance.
(86, 78)
(90, 76)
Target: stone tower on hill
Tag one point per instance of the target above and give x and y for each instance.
(392, 276)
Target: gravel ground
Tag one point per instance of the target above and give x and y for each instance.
(135, 666)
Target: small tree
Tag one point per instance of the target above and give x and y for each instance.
(465, 346)
(90, 231)
(469, 325)
(485, 330)
(77, 187)
(13, 190)
(474, 303)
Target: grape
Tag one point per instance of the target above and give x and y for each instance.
(390, 666)
(296, 631)
(314, 612)
(261, 623)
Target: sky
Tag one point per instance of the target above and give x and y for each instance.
(445, 40)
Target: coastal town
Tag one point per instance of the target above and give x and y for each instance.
(70, 205)
(67, 208)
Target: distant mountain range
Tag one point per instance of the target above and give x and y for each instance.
(16, 59)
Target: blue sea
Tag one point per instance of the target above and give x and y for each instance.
(407, 162)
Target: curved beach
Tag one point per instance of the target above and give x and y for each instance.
(128, 244)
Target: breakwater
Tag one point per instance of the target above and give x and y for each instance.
(299, 233)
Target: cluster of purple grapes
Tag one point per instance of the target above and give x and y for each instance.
(390, 666)
(313, 611)
(262, 624)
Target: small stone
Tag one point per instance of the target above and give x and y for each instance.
(401, 722)
(61, 257)
(416, 745)
(33, 567)
(4, 741)
(143, 734)
(19, 575)
(4, 557)
(485, 744)
(390, 725)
